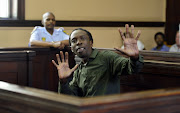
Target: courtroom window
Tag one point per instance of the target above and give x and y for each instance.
(11, 9)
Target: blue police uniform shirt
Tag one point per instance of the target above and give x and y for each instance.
(163, 48)
(41, 34)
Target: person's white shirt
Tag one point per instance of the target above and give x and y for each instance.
(174, 48)
(41, 34)
(139, 44)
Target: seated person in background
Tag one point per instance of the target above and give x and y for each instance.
(48, 36)
(99, 71)
(176, 47)
(139, 44)
(159, 39)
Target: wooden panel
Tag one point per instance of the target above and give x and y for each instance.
(9, 77)
(23, 73)
(14, 66)
(18, 99)
(8, 66)
(43, 72)
(40, 70)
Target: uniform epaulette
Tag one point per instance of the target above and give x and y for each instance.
(62, 29)
(65, 32)
(35, 28)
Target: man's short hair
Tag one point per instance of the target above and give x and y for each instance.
(159, 33)
(88, 33)
(47, 13)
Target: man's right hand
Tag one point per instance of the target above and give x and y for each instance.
(63, 67)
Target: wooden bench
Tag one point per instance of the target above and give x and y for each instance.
(19, 99)
(161, 56)
(154, 55)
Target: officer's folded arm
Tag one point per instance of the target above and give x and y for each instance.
(59, 44)
(65, 42)
(41, 44)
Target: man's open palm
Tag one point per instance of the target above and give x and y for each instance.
(63, 67)
(130, 42)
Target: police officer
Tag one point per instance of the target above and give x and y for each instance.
(48, 36)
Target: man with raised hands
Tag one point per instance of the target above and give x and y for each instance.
(99, 71)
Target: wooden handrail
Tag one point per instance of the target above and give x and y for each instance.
(20, 99)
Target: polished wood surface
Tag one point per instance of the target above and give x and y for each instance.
(19, 99)
(161, 56)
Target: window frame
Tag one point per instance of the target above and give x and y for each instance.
(20, 10)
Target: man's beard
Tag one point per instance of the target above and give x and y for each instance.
(160, 44)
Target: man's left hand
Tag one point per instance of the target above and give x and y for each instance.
(130, 42)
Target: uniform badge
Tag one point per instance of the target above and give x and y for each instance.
(43, 39)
